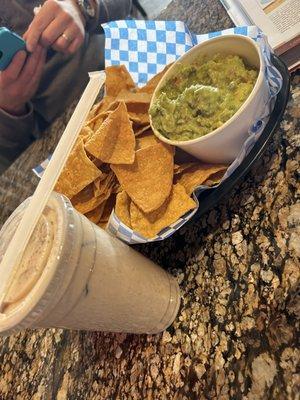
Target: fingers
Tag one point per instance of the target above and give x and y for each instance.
(39, 24)
(71, 37)
(13, 71)
(53, 31)
(17, 91)
(39, 69)
(31, 65)
(30, 77)
(57, 24)
(74, 46)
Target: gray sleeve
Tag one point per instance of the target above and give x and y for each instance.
(16, 133)
(110, 10)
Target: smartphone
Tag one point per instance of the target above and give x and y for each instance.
(10, 44)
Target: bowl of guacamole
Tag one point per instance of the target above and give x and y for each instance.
(208, 99)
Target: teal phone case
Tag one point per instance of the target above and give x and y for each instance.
(10, 44)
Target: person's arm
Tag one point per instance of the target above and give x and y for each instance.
(112, 10)
(16, 132)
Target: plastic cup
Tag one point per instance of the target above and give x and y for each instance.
(74, 275)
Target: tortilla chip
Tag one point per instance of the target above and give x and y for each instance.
(132, 99)
(91, 204)
(97, 184)
(77, 173)
(151, 224)
(102, 225)
(151, 85)
(117, 187)
(138, 111)
(137, 103)
(114, 141)
(109, 206)
(95, 215)
(103, 185)
(138, 129)
(141, 118)
(145, 140)
(178, 169)
(91, 123)
(102, 107)
(84, 195)
(93, 111)
(85, 133)
(105, 103)
(86, 200)
(148, 181)
(122, 208)
(198, 173)
(100, 119)
(96, 162)
(215, 178)
(117, 79)
(113, 106)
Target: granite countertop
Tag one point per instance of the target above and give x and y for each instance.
(235, 336)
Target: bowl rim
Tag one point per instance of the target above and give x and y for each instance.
(253, 93)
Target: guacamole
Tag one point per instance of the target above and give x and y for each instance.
(202, 96)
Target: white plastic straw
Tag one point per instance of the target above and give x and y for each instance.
(41, 195)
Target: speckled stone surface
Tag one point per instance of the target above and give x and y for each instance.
(235, 336)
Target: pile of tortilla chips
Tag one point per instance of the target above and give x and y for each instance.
(118, 163)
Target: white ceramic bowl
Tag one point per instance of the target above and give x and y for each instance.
(224, 143)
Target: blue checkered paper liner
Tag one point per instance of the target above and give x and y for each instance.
(145, 48)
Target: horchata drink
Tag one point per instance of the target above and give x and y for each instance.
(74, 275)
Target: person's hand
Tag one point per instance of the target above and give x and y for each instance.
(20, 80)
(58, 24)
